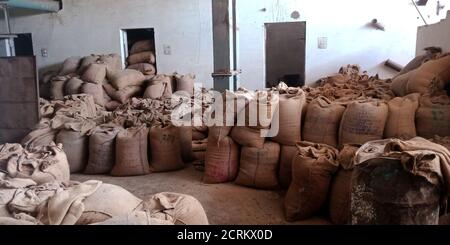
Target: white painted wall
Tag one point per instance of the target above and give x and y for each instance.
(434, 35)
(84, 27)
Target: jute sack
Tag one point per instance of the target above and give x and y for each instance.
(433, 117)
(57, 87)
(121, 79)
(322, 122)
(197, 135)
(112, 61)
(219, 133)
(76, 146)
(131, 152)
(165, 148)
(112, 105)
(102, 146)
(142, 46)
(107, 202)
(166, 81)
(42, 135)
(401, 120)
(422, 77)
(222, 160)
(96, 90)
(285, 172)
(363, 122)
(186, 144)
(259, 166)
(199, 145)
(73, 86)
(145, 68)
(290, 118)
(249, 137)
(95, 73)
(399, 84)
(125, 94)
(70, 66)
(155, 90)
(87, 61)
(312, 170)
(341, 187)
(259, 111)
(143, 57)
(186, 83)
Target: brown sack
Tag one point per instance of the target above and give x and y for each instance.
(322, 122)
(145, 68)
(421, 78)
(57, 88)
(96, 90)
(399, 84)
(164, 80)
(121, 79)
(126, 94)
(131, 152)
(95, 73)
(290, 118)
(73, 86)
(112, 105)
(186, 83)
(165, 149)
(86, 62)
(186, 144)
(401, 120)
(222, 161)
(102, 146)
(249, 137)
(363, 122)
(143, 57)
(76, 146)
(197, 135)
(142, 46)
(70, 66)
(42, 135)
(259, 166)
(286, 157)
(433, 117)
(312, 170)
(219, 133)
(155, 91)
(112, 61)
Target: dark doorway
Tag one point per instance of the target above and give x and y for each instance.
(23, 44)
(131, 36)
(285, 53)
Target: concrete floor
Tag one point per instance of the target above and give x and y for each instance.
(225, 204)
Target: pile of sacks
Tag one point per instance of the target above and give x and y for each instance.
(142, 58)
(35, 189)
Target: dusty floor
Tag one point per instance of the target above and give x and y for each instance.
(225, 204)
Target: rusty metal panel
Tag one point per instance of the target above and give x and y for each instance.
(19, 97)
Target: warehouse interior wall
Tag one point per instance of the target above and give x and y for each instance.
(84, 27)
(434, 35)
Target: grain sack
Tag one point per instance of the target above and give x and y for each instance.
(219, 133)
(200, 145)
(155, 91)
(341, 187)
(312, 170)
(259, 166)
(290, 118)
(109, 89)
(96, 90)
(363, 122)
(131, 152)
(142, 46)
(42, 135)
(249, 137)
(57, 87)
(70, 66)
(166, 81)
(285, 173)
(145, 68)
(112, 61)
(222, 160)
(121, 79)
(399, 84)
(186, 144)
(421, 78)
(102, 146)
(95, 73)
(112, 105)
(186, 83)
(165, 149)
(259, 111)
(73, 86)
(76, 146)
(143, 57)
(107, 202)
(433, 117)
(401, 120)
(322, 122)
(197, 135)
(125, 94)
(86, 62)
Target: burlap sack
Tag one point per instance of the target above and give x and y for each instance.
(70, 66)
(87, 61)
(112, 61)
(102, 146)
(96, 90)
(399, 84)
(248, 137)
(121, 79)
(199, 145)
(112, 105)
(125, 94)
(186, 83)
(155, 91)
(421, 78)
(322, 122)
(264, 105)
(285, 172)
(131, 152)
(73, 86)
(57, 87)
(222, 160)
(145, 68)
(142, 46)
(42, 135)
(165, 149)
(186, 144)
(363, 122)
(143, 57)
(290, 118)
(95, 73)
(401, 120)
(197, 135)
(259, 166)
(433, 117)
(76, 146)
(164, 80)
(312, 170)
